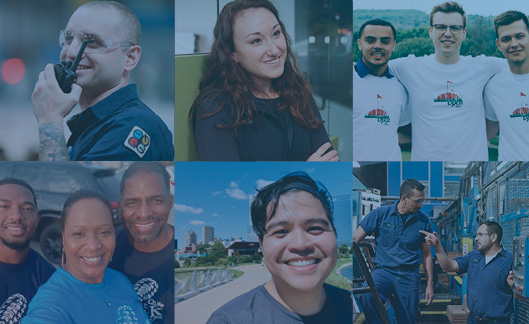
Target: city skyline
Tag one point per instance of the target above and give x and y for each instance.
(218, 194)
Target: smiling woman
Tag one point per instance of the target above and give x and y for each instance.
(293, 218)
(254, 104)
(83, 290)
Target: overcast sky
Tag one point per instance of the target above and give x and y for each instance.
(471, 7)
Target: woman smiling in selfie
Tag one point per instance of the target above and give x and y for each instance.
(254, 104)
(83, 290)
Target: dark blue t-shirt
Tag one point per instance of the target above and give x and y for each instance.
(120, 128)
(19, 283)
(398, 243)
(487, 283)
(151, 274)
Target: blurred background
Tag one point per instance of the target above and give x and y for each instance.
(321, 32)
(29, 32)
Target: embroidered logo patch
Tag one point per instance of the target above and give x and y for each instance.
(451, 99)
(138, 141)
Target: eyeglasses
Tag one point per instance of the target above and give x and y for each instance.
(417, 201)
(95, 44)
(454, 29)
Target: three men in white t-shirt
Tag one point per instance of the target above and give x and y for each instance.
(447, 111)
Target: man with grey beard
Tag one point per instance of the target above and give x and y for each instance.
(145, 246)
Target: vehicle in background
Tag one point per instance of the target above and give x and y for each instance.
(53, 183)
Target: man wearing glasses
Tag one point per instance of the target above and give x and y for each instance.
(399, 247)
(489, 271)
(114, 124)
(445, 90)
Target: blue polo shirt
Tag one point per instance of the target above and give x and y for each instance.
(398, 243)
(119, 128)
(489, 295)
(362, 69)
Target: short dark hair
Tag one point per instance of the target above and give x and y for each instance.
(406, 189)
(494, 228)
(377, 22)
(22, 183)
(507, 18)
(81, 195)
(130, 23)
(147, 167)
(271, 193)
(448, 7)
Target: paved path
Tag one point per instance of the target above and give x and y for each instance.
(197, 309)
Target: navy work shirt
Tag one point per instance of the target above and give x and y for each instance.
(120, 128)
(362, 69)
(398, 243)
(489, 295)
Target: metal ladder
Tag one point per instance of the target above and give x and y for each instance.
(364, 260)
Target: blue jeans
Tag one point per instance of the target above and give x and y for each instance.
(406, 287)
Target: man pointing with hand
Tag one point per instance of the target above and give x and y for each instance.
(489, 274)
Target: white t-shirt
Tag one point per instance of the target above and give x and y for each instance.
(378, 110)
(447, 110)
(506, 102)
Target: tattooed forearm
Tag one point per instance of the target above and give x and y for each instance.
(52, 143)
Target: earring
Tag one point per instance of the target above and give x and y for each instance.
(63, 256)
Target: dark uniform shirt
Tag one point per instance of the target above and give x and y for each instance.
(19, 284)
(119, 128)
(152, 275)
(398, 243)
(489, 295)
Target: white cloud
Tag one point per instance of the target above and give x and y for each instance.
(310, 170)
(216, 193)
(262, 183)
(235, 192)
(197, 222)
(188, 209)
(215, 215)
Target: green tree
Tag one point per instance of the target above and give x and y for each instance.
(187, 263)
(217, 250)
(204, 248)
(343, 249)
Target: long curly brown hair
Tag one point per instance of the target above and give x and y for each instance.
(227, 79)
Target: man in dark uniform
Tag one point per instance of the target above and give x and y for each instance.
(114, 123)
(145, 248)
(490, 277)
(399, 247)
(22, 270)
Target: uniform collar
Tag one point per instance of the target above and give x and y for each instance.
(111, 103)
(362, 69)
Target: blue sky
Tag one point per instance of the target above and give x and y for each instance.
(217, 193)
(471, 7)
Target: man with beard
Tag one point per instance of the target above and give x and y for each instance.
(22, 270)
(489, 274)
(379, 99)
(400, 247)
(145, 247)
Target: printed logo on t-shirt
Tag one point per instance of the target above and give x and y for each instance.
(127, 316)
(146, 288)
(523, 111)
(138, 141)
(379, 113)
(451, 99)
(13, 309)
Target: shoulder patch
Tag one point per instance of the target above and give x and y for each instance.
(138, 141)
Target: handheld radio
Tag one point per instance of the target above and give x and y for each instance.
(65, 71)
